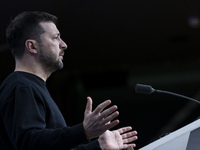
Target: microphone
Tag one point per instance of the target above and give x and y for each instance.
(147, 89)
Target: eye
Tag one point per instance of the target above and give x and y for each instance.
(56, 37)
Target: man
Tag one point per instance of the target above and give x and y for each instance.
(29, 118)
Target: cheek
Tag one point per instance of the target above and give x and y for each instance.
(54, 49)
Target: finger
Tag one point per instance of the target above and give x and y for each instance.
(130, 139)
(110, 117)
(129, 145)
(124, 129)
(129, 134)
(88, 108)
(110, 125)
(108, 111)
(101, 106)
(108, 122)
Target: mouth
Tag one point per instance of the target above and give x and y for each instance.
(62, 54)
(61, 58)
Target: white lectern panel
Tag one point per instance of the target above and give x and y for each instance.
(176, 140)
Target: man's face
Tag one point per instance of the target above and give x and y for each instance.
(51, 48)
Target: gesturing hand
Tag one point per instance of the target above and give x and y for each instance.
(98, 121)
(117, 139)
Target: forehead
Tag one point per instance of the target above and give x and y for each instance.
(49, 27)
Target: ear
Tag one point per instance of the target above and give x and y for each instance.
(31, 46)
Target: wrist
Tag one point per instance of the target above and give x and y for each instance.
(86, 132)
(101, 144)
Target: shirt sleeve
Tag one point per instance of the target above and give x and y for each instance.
(24, 119)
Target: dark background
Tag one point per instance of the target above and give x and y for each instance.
(115, 44)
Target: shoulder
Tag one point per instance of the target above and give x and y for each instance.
(10, 83)
(19, 79)
(14, 79)
(20, 84)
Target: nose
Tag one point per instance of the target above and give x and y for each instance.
(63, 45)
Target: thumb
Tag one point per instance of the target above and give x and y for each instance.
(88, 108)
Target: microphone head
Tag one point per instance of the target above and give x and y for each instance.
(145, 89)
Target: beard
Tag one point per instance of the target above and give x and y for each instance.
(49, 60)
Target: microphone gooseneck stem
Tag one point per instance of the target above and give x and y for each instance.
(175, 94)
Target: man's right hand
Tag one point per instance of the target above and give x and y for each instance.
(118, 139)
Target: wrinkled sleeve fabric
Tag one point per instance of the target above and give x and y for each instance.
(25, 121)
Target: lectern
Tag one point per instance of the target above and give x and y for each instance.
(185, 138)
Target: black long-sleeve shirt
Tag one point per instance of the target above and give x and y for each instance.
(30, 119)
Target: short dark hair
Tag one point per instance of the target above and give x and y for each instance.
(26, 26)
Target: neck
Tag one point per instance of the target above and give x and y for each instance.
(32, 68)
